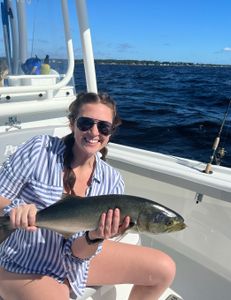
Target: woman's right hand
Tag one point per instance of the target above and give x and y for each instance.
(24, 216)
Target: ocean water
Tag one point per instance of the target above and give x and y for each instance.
(171, 110)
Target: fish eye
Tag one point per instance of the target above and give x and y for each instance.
(169, 222)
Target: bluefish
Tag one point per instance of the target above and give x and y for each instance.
(73, 213)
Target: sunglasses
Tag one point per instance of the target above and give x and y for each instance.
(85, 124)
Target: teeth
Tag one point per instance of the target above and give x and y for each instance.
(92, 141)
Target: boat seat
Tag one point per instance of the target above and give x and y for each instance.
(112, 292)
(131, 238)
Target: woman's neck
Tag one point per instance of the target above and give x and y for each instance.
(83, 161)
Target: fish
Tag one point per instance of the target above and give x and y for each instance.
(73, 213)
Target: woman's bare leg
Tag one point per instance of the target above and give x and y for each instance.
(150, 270)
(31, 287)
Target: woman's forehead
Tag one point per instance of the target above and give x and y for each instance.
(96, 110)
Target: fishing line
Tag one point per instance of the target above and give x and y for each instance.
(208, 169)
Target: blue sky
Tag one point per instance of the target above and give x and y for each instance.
(172, 30)
(197, 31)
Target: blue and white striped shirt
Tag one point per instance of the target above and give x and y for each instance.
(33, 174)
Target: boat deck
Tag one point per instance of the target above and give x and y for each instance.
(119, 292)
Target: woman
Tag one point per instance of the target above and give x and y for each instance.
(36, 263)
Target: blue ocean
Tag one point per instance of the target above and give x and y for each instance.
(172, 110)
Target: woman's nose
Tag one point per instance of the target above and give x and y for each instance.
(94, 129)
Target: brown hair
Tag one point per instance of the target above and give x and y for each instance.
(74, 110)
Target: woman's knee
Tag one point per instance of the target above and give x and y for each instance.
(167, 269)
(158, 274)
(134, 264)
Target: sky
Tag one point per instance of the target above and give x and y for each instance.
(197, 31)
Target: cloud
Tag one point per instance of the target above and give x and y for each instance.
(111, 50)
(227, 49)
(124, 47)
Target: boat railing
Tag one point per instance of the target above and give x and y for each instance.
(179, 172)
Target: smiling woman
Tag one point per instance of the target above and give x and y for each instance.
(90, 135)
(34, 178)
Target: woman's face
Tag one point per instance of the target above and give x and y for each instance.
(90, 141)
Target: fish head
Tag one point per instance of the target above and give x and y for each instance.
(157, 219)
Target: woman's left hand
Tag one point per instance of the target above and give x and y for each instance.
(109, 225)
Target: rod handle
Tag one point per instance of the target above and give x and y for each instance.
(216, 143)
(208, 169)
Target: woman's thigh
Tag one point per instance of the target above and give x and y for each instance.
(31, 287)
(125, 263)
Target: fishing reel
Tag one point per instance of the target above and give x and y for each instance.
(220, 154)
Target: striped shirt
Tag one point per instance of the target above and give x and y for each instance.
(33, 174)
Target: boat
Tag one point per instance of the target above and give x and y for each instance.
(203, 198)
(31, 96)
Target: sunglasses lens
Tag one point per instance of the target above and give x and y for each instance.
(104, 127)
(85, 124)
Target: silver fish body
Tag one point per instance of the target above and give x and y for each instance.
(73, 213)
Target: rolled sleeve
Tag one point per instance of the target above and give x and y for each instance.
(68, 250)
(14, 203)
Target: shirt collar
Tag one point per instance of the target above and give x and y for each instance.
(97, 175)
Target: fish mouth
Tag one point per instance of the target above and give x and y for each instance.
(177, 227)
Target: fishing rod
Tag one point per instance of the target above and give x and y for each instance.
(208, 169)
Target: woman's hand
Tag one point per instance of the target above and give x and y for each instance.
(109, 225)
(24, 216)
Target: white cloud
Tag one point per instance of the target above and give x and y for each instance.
(227, 49)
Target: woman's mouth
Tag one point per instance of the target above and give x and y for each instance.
(91, 141)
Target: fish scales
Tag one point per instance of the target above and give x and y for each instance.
(75, 213)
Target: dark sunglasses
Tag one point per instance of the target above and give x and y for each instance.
(85, 123)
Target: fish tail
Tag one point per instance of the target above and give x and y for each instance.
(5, 229)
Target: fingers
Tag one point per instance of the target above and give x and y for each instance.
(125, 225)
(24, 216)
(110, 225)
